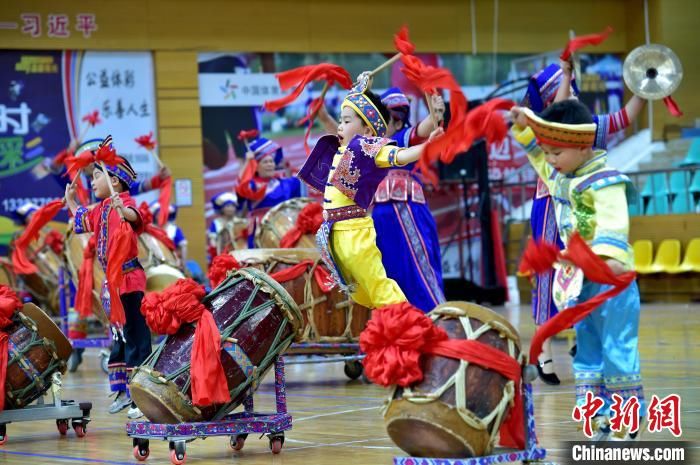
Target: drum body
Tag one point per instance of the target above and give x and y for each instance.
(257, 320)
(329, 317)
(280, 219)
(233, 237)
(36, 350)
(160, 263)
(458, 408)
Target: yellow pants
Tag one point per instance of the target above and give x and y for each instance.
(355, 251)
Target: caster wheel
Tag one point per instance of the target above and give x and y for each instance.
(353, 369)
(276, 444)
(237, 442)
(177, 458)
(74, 361)
(79, 429)
(62, 426)
(141, 455)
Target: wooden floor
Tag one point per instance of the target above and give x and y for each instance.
(337, 421)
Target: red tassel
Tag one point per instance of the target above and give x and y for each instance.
(219, 268)
(402, 43)
(596, 270)
(581, 41)
(181, 303)
(166, 189)
(9, 304)
(108, 156)
(672, 107)
(308, 222)
(248, 134)
(93, 118)
(86, 280)
(146, 141)
(118, 254)
(538, 257)
(54, 241)
(302, 76)
(75, 164)
(40, 218)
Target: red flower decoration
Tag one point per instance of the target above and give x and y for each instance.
(219, 268)
(93, 118)
(249, 134)
(146, 141)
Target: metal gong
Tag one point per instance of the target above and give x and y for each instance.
(652, 71)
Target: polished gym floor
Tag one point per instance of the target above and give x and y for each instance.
(338, 421)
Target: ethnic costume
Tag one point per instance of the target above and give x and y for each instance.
(348, 177)
(258, 195)
(171, 229)
(132, 343)
(406, 231)
(219, 223)
(593, 202)
(542, 89)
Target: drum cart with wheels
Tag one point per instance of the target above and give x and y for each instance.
(65, 412)
(329, 352)
(237, 426)
(532, 454)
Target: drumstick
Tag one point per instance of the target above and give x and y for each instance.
(386, 64)
(111, 188)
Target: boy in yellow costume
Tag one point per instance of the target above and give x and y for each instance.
(347, 168)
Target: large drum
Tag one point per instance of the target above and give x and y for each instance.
(74, 245)
(37, 350)
(257, 319)
(330, 317)
(280, 219)
(161, 264)
(43, 285)
(234, 236)
(458, 408)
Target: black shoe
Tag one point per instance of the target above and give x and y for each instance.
(549, 378)
(572, 351)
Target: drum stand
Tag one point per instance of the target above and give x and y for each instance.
(62, 411)
(64, 299)
(531, 454)
(329, 352)
(237, 426)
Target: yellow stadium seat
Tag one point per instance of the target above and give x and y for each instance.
(643, 256)
(691, 260)
(668, 257)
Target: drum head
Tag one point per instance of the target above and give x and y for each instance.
(48, 329)
(255, 256)
(161, 276)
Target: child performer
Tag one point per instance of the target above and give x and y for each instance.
(347, 168)
(590, 198)
(401, 214)
(225, 206)
(259, 187)
(132, 343)
(553, 84)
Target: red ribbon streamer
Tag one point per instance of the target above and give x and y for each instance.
(398, 335)
(153, 230)
(672, 107)
(54, 241)
(181, 303)
(86, 280)
(402, 43)
(302, 76)
(581, 41)
(250, 186)
(9, 304)
(166, 189)
(595, 269)
(118, 253)
(39, 219)
(308, 222)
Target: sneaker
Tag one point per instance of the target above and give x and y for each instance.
(134, 413)
(601, 428)
(549, 378)
(120, 403)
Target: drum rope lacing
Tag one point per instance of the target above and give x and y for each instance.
(458, 379)
(37, 383)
